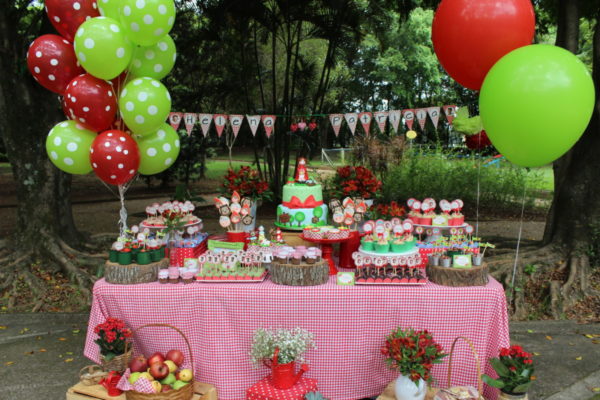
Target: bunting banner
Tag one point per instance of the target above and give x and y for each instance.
(175, 119)
(409, 117)
(205, 120)
(434, 114)
(220, 122)
(365, 118)
(189, 119)
(380, 118)
(351, 120)
(450, 111)
(336, 122)
(236, 123)
(268, 123)
(421, 115)
(253, 121)
(395, 116)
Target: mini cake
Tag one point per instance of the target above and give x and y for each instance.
(163, 276)
(187, 277)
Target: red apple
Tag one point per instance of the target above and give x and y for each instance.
(138, 364)
(159, 370)
(176, 356)
(156, 358)
(166, 388)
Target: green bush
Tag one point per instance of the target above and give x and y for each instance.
(442, 176)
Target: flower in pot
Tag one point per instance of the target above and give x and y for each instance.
(515, 369)
(247, 182)
(412, 353)
(350, 181)
(112, 336)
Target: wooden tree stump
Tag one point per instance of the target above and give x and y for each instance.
(474, 276)
(300, 275)
(133, 273)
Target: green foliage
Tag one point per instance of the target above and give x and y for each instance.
(530, 269)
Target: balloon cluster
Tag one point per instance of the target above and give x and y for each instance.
(107, 65)
(535, 100)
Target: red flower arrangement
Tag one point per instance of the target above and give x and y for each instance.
(112, 335)
(387, 211)
(514, 368)
(412, 353)
(247, 182)
(354, 182)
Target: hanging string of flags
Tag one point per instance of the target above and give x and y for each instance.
(395, 117)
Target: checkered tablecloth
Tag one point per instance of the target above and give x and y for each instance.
(349, 323)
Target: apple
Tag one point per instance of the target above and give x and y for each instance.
(159, 370)
(155, 358)
(176, 356)
(147, 375)
(134, 377)
(166, 388)
(169, 379)
(172, 366)
(185, 375)
(138, 364)
(156, 386)
(179, 384)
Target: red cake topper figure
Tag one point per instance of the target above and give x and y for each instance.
(301, 173)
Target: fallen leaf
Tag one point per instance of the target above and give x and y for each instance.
(28, 353)
(529, 330)
(42, 350)
(571, 344)
(38, 338)
(596, 389)
(2, 327)
(9, 363)
(24, 330)
(589, 336)
(68, 360)
(548, 337)
(595, 341)
(76, 331)
(62, 339)
(536, 354)
(69, 353)
(533, 377)
(579, 358)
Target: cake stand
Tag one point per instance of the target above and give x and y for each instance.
(327, 249)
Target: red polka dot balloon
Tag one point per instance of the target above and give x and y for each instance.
(91, 101)
(67, 15)
(115, 157)
(52, 62)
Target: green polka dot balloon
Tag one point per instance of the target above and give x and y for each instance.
(102, 48)
(147, 21)
(110, 8)
(154, 61)
(145, 104)
(68, 146)
(159, 150)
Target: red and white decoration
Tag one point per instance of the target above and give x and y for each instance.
(189, 119)
(91, 101)
(336, 122)
(66, 16)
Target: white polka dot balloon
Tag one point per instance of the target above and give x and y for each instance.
(159, 150)
(68, 146)
(154, 61)
(147, 21)
(145, 104)
(109, 8)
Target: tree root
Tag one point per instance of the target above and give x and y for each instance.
(83, 279)
(68, 249)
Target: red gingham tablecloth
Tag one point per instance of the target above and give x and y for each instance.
(349, 323)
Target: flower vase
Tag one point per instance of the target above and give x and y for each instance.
(507, 396)
(283, 375)
(406, 389)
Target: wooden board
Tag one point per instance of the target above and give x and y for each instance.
(458, 277)
(293, 239)
(388, 393)
(203, 391)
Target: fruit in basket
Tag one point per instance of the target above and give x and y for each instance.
(176, 356)
(179, 384)
(166, 388)
(156, 386)
(147, 376)
(134, 377)
(172, 366)
(169, 380)
(185, 375)
(138, 364)
(159, 370)
(156, 358)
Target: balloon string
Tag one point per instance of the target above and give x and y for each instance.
(512, 283)
(478, 186)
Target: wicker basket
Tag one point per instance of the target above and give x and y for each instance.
(119, 363)
(185, 393)
(452, 392)
(91, 375)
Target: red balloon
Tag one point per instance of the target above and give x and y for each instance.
(91, 101)
(52, 62)
(67, 15)
(478, 141)
(115, 157)
(470, 36)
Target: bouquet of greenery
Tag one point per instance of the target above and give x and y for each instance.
(514, 368)
(292, 344)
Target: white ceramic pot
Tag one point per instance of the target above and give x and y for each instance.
(506, 396)
(408, 390)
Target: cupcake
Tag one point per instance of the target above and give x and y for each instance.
(398, 245)
(382, 246)
(367, 243)
(187, 277)
(174, 277)
(163, 276)
(296, 258)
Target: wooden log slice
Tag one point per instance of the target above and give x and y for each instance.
(301, 274)
(133, 273)
(474, 276)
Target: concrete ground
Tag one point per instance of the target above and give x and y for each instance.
(41, 355)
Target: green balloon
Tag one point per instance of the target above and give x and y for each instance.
(102, 48)
(68, 146)
(159, 150)
(147, 21)
(535, 103)
(154, 61)
(110, 8)
(145, 104)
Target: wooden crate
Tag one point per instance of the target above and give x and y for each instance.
(388, 393)
(203, 391)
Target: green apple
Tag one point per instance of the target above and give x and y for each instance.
(134, 377)
(178, 385)
(169, 380)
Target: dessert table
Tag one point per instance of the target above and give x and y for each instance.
(349, 324)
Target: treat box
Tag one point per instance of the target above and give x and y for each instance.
(202, 391)
(391, 283)
(231, 280)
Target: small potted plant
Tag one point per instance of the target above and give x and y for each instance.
(515, 369)
(478, 258)
(112, 336)
(412, 353)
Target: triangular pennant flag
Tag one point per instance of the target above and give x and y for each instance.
(336, 122)
(175, 119)
(351, 120)
(205, 120)
(268, 123)
(236, 123)
(365, 118)
(253, 121)
(409, 117)
(434, 114)
(220, 121)
(395, 116)
(450, 111)
(421, 115)
(189, 119)
(380, 118)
